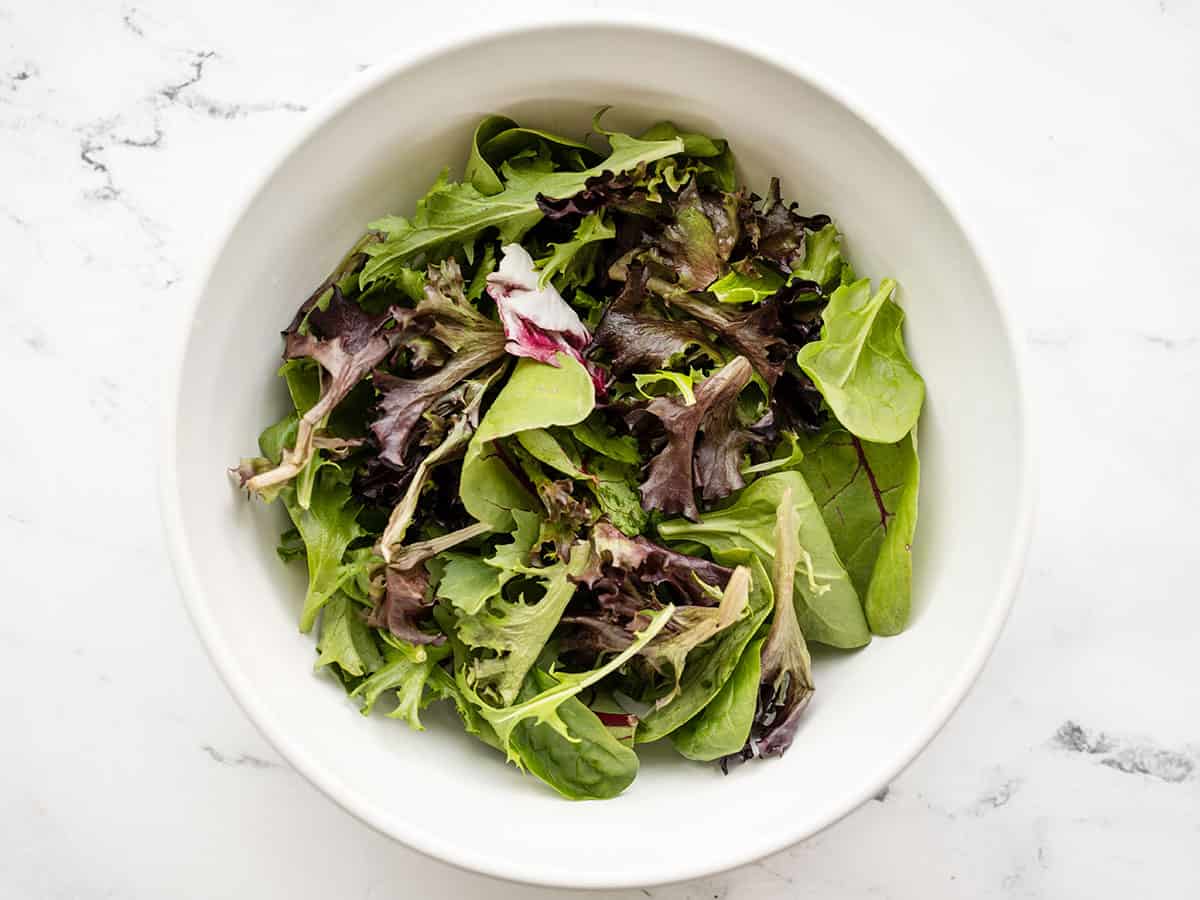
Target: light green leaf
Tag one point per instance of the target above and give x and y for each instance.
(682, 383)
(711, 666)
(868, 496)
(536, 396)
(517, 631)
(788, 455)
(543, 708)
(860, 366)
(545, 448)
(565, 258)
(594, 433)
(467, 582)
(346, 639)
(822, 258)
(405, 670)
(738, 287)
(826, 602)
(615, 489)
(327, 527)
(457, 213)
(723, 727)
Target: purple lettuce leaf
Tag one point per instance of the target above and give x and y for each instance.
(670, 475)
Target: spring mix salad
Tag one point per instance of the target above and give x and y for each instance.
(593, 446)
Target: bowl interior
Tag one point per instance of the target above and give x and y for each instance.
(441, 791)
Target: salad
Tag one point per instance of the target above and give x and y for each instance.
(594, 445)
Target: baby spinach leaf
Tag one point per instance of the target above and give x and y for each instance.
(707, 673)
(346, 640)
(457, 213)
(860, 365)
(543, 708)
(722, 727)
(826, 602)
(547, 449)
(868, 495)
(587, 763)
(536, 396)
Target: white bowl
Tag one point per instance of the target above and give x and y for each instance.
(374, 149)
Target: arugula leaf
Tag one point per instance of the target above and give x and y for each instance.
(535, 396)
(587, 763)
(543, 708)
(457, 213)
(723, 726)
(860, 365)
(826, 603)
(868, 494)
(707, 673)
(346, 640)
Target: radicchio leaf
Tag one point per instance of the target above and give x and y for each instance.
(669, 476)
(347, 343)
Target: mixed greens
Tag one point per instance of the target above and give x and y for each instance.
(593, 446)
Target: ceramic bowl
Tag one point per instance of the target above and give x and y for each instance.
(374, 149)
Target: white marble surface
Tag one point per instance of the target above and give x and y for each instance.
(1069, 134)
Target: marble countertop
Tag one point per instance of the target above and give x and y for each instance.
(1069, 134)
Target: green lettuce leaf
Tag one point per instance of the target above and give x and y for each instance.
(755, 286)
(575, 260)
(860, 365)
(455, 214)
(536, 396)
(327, 527)
(468, 581)
(517, 630)
(346, 639)
(543, 707)
(406, 669)
(712, 664)
(826, 602)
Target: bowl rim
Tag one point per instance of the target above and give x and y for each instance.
(676, 867)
